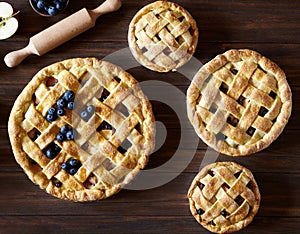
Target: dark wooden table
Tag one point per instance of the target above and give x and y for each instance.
(269, 27)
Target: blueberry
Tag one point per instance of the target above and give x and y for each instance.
(84, 115)
(64, 129)
(212, 223)
(104, 126)
(40, 4)
(71, 105)
(59, 6)
(51, 118)
(61, 112)
(224, 213)
(72, 171)
(65, 166)
(52, 111)
(46, 8)
(36, 135)
(60, 137)
(58, 184)
(200, 211)
(103, 97)
(70, 135)
(52, 10)
(73, 162)
(234, 71)
(108, 127)
(69, 95)
(61, 103)
(90, 109)
(50, 153)
(56, 148)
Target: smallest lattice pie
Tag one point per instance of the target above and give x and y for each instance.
(162, 36)
(224, 197)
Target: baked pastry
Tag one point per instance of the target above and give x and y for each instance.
(224, 197)
(239, 102)
(82, 129)
(162, 36)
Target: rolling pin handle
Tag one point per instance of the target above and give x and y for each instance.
(106, 7)
(16, 57)
(37, 44)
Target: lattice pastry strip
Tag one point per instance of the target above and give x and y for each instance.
(224, 197)
(239, 102)
(162, 36)
(34, 152)
(70, 126)
(53, 166)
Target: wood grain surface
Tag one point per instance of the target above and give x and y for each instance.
(270, 27)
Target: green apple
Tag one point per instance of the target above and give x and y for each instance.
(8, 24)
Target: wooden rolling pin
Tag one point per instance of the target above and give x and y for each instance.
(61, 32)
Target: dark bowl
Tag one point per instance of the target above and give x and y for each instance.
(43, 12)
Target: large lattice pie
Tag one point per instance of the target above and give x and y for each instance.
(239, 102)
(224, 197)
(82, 129)
(162, 36)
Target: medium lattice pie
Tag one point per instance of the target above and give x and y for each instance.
(82, 129)
(162, 36)
(239, 102)
(224, 197)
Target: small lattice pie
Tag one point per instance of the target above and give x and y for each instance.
(162, 36)
(224, 197)
(239, 102)
(82, 129)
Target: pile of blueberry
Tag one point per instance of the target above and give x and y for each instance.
(71, 166)
(49, 7)
(87, 113)
(52, 150)
(104, 126)
(65, 101)
(65, 133)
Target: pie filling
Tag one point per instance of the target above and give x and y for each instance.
(90, 182)
(51, 81)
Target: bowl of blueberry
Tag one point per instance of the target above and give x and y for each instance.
(48, 7)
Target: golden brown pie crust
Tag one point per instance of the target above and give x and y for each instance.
(105, 170)
(224, 197)
(162, 36)
(239, 102)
